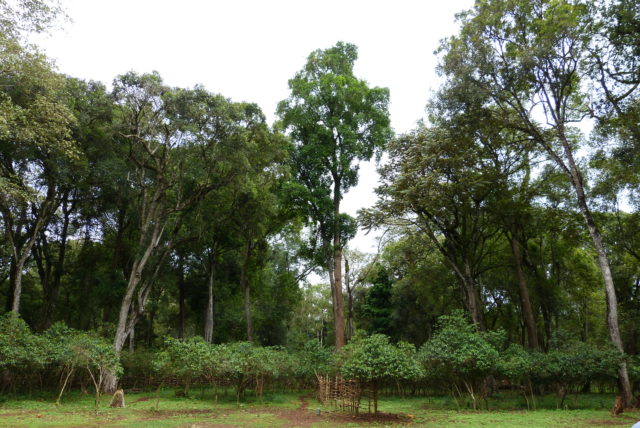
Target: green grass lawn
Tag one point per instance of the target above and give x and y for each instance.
(292, 410)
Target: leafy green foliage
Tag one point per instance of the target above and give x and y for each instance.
(20, 349)
(458, 352)
(374, 359)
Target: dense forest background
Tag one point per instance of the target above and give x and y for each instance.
(147, 211)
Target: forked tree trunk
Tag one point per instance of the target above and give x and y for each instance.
(473, 299)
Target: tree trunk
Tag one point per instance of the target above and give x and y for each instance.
(181, 292)
(17, 281)
(52, 291)
(351, 328)
(152, 315)
(525, 301)
(135, 278)
(603, 262)
(208, 319)
(338, 309)
(111, 381)
(472, 299)
(132, 339)
(350, 321)
(20, 251)
(375, 398)
(244, 282)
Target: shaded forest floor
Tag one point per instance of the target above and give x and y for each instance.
(293, 410)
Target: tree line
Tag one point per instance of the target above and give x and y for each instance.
(145, 210)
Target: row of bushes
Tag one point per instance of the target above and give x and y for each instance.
(458, 360)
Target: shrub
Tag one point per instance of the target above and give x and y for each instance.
(375, 360)
(460, 356)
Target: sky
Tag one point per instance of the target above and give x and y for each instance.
(247, 50)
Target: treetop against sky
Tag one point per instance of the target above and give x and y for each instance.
(248, 50)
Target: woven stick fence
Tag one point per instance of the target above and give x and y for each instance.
(339, 393)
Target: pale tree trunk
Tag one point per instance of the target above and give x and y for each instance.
(17, 283)
(571, 169)
(473, 299)
(525, 301)
(135, 278)
(612, 302)
(21, 253)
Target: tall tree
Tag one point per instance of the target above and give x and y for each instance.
(335, 120)
(437, 181)
(526, 58)
(37, 150)
(182, 146)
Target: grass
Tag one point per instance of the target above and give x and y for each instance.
(289, 410)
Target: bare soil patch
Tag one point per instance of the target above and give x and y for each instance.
(303, 417)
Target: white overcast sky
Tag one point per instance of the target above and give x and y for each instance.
(246, 50)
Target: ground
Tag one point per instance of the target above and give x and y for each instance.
(295, 410)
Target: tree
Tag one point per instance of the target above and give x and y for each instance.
(335, 120)
(526, 59)
(38, 152)
(437, 182)
(374, 360)
(377, 307)
(91, 108)
(459, 355)
(182, 146)
(357, 266)
(27, 16)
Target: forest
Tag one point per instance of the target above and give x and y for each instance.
(166, 237)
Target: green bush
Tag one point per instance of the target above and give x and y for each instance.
(460, 356)
(374, 360)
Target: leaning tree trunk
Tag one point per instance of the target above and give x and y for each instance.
(135, 278)
(612, 304)
(603, 261)
(21, 253)
(525, 301)
(20, 256)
